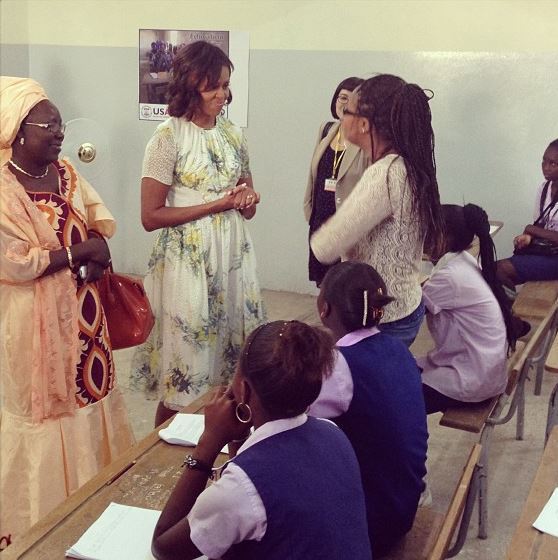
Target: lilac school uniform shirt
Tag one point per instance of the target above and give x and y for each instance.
(468, 362)
(551, 222)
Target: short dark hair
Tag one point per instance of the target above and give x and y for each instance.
(193, 64)
(553, 144)
(285, 362)
(343, 288)
(349, 84)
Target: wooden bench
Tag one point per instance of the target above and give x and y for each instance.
(143, 476)
(532, 303)
(483, 417)
(552, 358)
(528, 543)
(552, 366)
(432, 532)
(535, 298)
(473, 416)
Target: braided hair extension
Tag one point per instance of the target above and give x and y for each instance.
(401, 115)
(462, 223)
(193, 64)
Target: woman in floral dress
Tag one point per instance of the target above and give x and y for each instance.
(197, 190)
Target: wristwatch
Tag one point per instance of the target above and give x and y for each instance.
(195, 465)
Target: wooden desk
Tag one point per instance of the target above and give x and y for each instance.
(527, 542)
(143, 476)
(495, 227)
(535, 299)
(552, 358)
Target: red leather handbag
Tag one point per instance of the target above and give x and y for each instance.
(127, 309)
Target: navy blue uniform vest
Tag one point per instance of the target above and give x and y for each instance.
(309, 482)
(386, 423)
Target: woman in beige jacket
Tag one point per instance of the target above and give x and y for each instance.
(336, 167)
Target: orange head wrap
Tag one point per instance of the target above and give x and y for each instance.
(17, 97)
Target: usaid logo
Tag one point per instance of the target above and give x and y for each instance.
(151, 112)
(146, 112)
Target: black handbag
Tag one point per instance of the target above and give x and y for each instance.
(538, 246)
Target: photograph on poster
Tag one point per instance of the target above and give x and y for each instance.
(157, 49)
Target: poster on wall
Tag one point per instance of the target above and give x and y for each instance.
(157, 49)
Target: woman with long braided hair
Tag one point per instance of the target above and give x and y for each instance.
(395, 208)
(469, 316)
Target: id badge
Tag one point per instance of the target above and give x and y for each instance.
(330, 184)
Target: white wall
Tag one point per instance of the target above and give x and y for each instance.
(331, 25)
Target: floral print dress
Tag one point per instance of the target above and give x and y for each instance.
(201, 277)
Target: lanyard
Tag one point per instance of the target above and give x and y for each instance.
(337, 157)
(544, 217)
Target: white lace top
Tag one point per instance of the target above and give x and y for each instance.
(376, 225)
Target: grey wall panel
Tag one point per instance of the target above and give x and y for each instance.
(493, 116)
(14, 60)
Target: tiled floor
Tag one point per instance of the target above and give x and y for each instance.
(512, 463)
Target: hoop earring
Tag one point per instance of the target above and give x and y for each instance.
(238, 414)
(22, 140)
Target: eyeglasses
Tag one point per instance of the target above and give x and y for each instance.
(51, 127)
(343, 98)
(345, 111)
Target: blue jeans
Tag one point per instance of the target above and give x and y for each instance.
(407, 328)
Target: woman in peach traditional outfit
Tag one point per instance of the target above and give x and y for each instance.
(62, 416)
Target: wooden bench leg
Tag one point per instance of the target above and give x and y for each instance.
(552, 417)
(539, 378)
(485, 440)
(466, 516)
(540, 358)
(520, 421)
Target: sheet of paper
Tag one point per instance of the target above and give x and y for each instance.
(547, 521)
(120, 532)
(185, 429)
(493, 229)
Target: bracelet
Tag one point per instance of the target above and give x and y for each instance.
(70, 258)
(195, 465)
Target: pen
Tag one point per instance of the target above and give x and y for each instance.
(120, 473)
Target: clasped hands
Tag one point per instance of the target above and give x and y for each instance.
(531, 231)
(244, 196)
(522, 240)
(97, 259)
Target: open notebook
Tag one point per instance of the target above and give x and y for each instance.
(121, 533)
